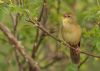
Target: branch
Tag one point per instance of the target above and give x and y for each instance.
(89, 54)
(87, 57)
(83, 62)
(40, 34)
(15, 21)
(59, 6)
(18, 46)
(55, 59)
(60, 41)
(43, 29)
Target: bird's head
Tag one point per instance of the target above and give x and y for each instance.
(68, 19)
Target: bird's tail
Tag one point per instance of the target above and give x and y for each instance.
(75, 55)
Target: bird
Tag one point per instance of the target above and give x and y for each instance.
(71, 34)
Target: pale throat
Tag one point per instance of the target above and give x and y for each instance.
(66, 23)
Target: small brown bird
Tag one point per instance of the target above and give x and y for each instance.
(71, 34)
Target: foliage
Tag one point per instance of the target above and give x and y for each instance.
(88, 16)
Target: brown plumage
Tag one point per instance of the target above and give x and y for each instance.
(71, 33)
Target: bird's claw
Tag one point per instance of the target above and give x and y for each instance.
(77, 50)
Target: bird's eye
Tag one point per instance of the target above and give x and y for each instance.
(68, 16)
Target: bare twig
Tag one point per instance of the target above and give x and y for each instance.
(55, 59)
(87, 57)
(58, 8)
(15, 20)
(60, 41)
(89, 54)
(40, 34)
(21, 2)
(58, 26)
(83, 62)
(51, 63)
(18, 46)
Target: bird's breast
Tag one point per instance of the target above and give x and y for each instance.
(71, 34)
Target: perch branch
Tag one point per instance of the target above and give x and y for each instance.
(60, 41)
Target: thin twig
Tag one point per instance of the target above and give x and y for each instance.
(83, 62)
(59, 4)
(51, 63)
(87, 57)
(38, 38)
(40, 34)
(15, 20)
(55, 59)
(58, 26)
(89, 54)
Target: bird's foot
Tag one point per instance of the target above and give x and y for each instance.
(77, 50)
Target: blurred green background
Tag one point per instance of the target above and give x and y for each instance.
(88, 16)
